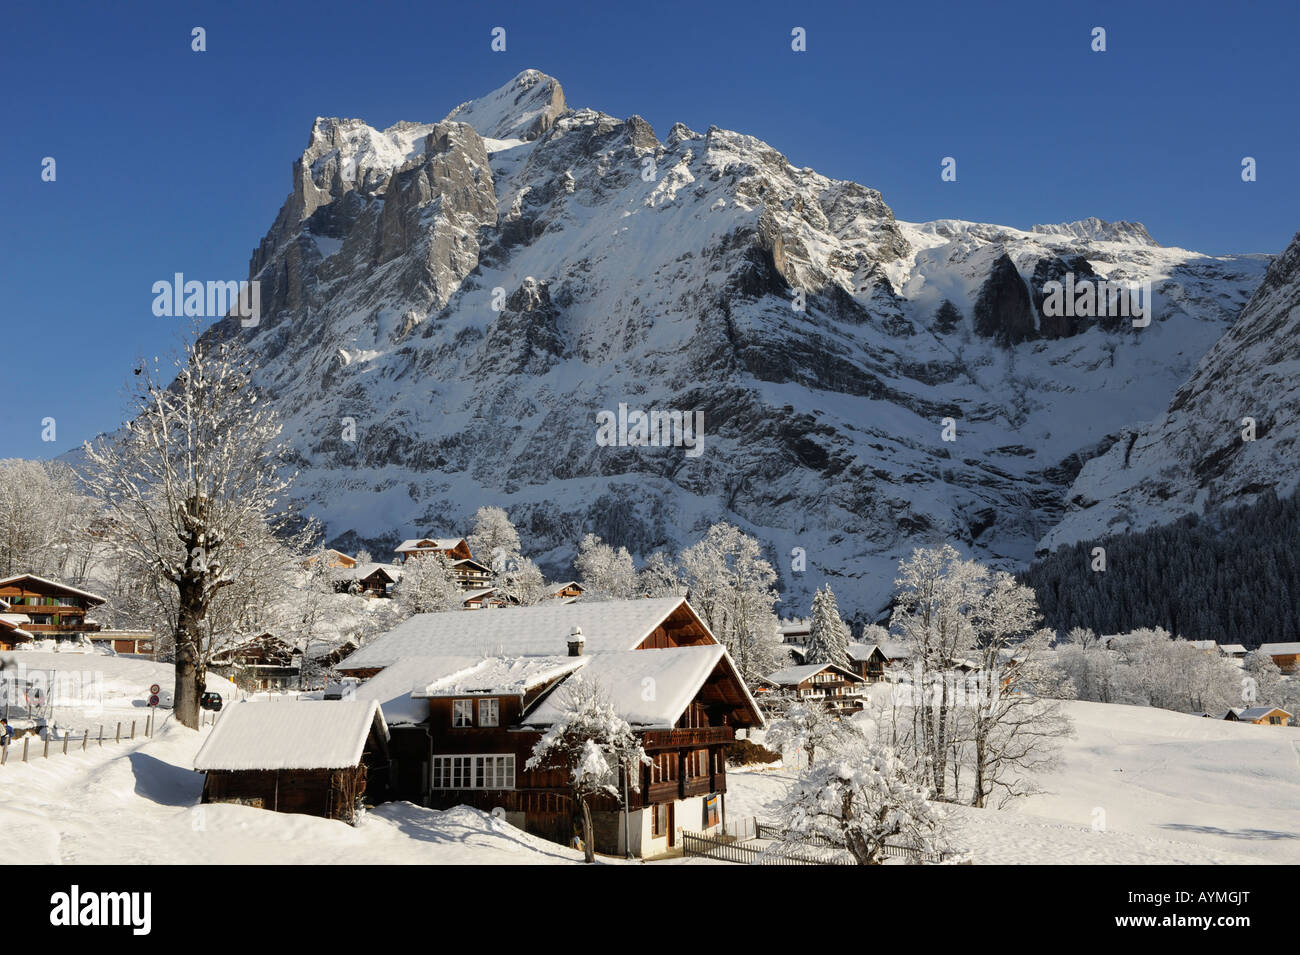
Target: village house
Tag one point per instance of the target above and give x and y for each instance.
(334, 559)
(453, 548)
(369, 580)
(1233, 651)
(1285, 655)
(470, 574)
(305, 756)
(568, 591)
(53, 610)
(840, 689)
(1259, 715)
(469, 695)
(12, 634)
(868, 661)
(264, 662)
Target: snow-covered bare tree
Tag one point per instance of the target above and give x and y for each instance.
(799, 726)
(519, 580)
(493, 534)
(195, 473)
(660, 576)
(428, 585)
(1262, 681)
(862, 797)
(593, 746)
(605, 573)
(938, 593)
(43, 520)
(828, 635)
(732, 586)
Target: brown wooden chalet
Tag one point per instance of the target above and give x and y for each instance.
(124, 641)
(470, 574)
(53, 610)
(369, 580)
(868, 661)
(264, 662)
(305, 756)
(334, 559)
(467, 696)
(12, 634)
(1285, 655)
(837, 687)
(453, 548)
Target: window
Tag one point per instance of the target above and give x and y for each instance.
(659, 820)
(462, 712)
(1275, 721)
(474, 772)
(489, 713)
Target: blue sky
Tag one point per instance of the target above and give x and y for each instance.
(174, 161)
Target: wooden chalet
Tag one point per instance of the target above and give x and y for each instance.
(839, 688)
(453, 548)
(1259, 715)
(369, 580)
(264, 662)
(868, 661)
(467, 697)
(307, 756)
(1234, 651)
(53, 610)
(470, 574)
(12, 634)
(569, 590)
(334, 559)
(1285, 655)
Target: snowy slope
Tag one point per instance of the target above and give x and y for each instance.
(471, 293)
(1164, 787)
(1194, 457)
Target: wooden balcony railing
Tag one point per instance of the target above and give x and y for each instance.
(699, 736)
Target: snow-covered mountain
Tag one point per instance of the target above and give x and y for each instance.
(473, 292)
(1203, 453)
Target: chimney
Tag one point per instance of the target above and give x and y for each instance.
(576, 642)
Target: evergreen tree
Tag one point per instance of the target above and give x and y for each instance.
(828, 636)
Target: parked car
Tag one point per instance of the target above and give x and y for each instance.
(210, 701)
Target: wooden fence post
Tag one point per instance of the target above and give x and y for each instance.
(45, 750)
(65, 742)
(133, 729)
(101, 734)
(26, 740)
(4, 753)
(85, 739)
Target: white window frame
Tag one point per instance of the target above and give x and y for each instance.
(473, 771)
(456, 709)
(493, 715)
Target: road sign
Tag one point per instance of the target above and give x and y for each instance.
(155, 689)
(153, 699)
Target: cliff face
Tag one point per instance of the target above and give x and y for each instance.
(471, 293)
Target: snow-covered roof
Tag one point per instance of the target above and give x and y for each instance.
(362, 571)
(51, 583)
(648, 688)
(1203, 644)
(862, 651)
(791, 676)
(290, 734)
(402, 688)
(894, 650)
(430, 543)
(17, 619)
(1272, 649)
(1232, 648)
(541, 630)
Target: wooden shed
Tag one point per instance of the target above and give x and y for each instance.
(316, 757)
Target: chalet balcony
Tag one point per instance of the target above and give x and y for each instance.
(68, 626)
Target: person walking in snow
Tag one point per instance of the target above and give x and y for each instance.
(6, 732)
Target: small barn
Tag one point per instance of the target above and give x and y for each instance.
(315, 757)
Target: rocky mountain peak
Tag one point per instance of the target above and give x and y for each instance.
(522, 109)
(1098, 230)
